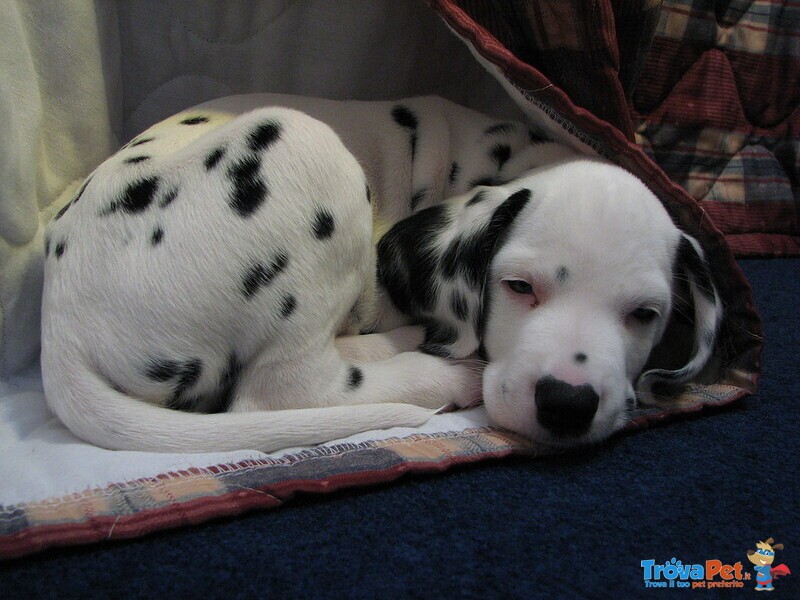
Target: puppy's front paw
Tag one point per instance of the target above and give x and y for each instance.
(468, 390)
(434, 382)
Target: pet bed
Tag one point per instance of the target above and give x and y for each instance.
(84, 78)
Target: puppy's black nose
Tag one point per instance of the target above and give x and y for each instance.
(564, 409)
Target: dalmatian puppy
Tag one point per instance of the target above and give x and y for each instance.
(199, 284)
(563, 280)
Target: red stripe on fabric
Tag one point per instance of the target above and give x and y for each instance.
(752, 245)
(762, 217)
(680, 80)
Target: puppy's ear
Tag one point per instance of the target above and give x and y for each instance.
(692, 269)
(455, 329)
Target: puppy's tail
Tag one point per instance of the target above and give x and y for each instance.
(96, 412)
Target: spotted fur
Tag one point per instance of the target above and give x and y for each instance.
(222, 264)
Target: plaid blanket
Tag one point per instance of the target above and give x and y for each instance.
(718, 108)
(179, 498)
(710, 91)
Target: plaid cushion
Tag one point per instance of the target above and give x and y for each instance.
(717, 107)
(708, 89)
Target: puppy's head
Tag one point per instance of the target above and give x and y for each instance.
(576, 297)
(566, 280)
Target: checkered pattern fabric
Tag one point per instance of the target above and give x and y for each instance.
(718, 108)
(709, 89)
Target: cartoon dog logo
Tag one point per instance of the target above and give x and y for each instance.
(763, 559)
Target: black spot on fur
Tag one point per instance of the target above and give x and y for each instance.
(188, 376)
(688, 258)
(60, 248)
(264, 136)
(481, 317)
(459, 305)
(418, 196)
(140, 141)
(134, 160)
(249, 189)
(369, 195)
(580, 358)
(454, 169)
(228, 382)
(323, 224)
(405, 117)
(461, 256)
(169, 197)
(185, 375)
(195, 120)
(212, 160)
(158, 235)
(500, 128)
(288, 306)
(469, 255)
(502, 218)
(163, 370)
(505, 214)
(47, 247)
(489, 181)
(501, 153)
(355, 377)
(135, 198)
(438, 336)
(407, 260)
(476, 198)
(562, 274)
(260, 274)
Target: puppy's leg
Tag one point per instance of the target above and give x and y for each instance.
(380, 346)
(325, 378)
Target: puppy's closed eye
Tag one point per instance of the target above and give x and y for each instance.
(643, 315)
(522, 291)
(519, 286)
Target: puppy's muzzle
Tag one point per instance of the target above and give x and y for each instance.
(564, 409)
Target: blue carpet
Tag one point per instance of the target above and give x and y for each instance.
(575, 526)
